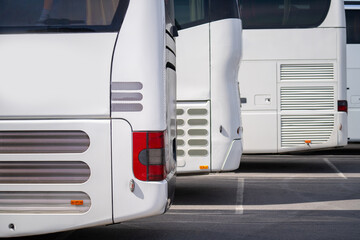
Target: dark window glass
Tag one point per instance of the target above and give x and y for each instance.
(223, 9)
(189, 13)
(353, 26)
(170, 14)
(61, 15)
(257, 14)
(170, 17)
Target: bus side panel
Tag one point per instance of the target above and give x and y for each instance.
(353, 81)
(269, 44)
(259, 103)
(193, 59)
(54, 213)
(38, 70)
(260, 131)
(225, 98)
(263, 47)
(148, 198)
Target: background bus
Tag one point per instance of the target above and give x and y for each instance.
(208, 106)
(87, 118)
(292, 77)
(352, 9)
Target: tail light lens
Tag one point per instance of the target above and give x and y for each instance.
(342, 106)
(149, 156)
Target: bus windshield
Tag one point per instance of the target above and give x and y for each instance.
(61, 15)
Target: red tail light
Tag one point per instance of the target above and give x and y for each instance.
(149, 156)
(342, 106)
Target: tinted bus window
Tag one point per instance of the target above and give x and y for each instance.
(224, 9)
(170, 17)
(260, 14)
(61, 15)
(353, 26)
(191, 13)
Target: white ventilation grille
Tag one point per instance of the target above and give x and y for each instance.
(295, 130)
(193, 131)
(307, 98)
(43, 172)
(44, 202)
(307, 72)
(21, 142)
(126, 97)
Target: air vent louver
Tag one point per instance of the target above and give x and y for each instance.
(15, 142)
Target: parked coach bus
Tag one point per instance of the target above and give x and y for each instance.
(87, 119)
(352, 9)
(293, 75)
(208, 106)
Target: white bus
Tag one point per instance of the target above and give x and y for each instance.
(293, 75)
(208, 106)
(87, 119)
(352, 9)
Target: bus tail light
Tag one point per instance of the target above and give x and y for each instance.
(149, 156)
(342, 106)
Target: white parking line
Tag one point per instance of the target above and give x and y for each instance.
(204, 207)
(337, 205)
(240, 196)
(268, 175)
(340, 174)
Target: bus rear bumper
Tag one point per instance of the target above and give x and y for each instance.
(233, 157)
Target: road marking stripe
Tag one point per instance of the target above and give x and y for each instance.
(240, 196)
(204, 207)
(338, 205)
(265, 175)
(335, 168)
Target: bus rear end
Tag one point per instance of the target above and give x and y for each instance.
(209, 52)
(87, 105)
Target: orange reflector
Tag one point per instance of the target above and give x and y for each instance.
(77, 202)
(307, 141)
(204, 167)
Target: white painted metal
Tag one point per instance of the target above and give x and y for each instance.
(145, 64)
(193, 68)
(353, 80)
(62, 82)
(207, 65)
(278, 67)
(225, 103)
(98, 187)
(148, 199)
(79, 71)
